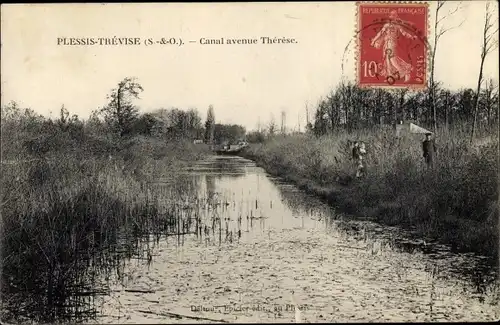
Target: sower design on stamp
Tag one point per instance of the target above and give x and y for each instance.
(392, 45)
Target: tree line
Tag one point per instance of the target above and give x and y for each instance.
(124, 118)
(350, 107)
(118, 119)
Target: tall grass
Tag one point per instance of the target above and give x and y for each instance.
(66, 213)
(456, 202)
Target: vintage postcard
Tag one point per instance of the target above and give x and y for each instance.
(259, 162)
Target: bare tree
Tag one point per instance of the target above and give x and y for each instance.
(401, 102)
(346, 93)
(489, 44)
(307, 113)
(283, 122)
(330, 108)
(490, 98)
(271, 128)
(439, 30)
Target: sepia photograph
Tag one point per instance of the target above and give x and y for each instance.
(251, 162)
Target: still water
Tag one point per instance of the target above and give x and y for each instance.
(259, 250)
(222, 241)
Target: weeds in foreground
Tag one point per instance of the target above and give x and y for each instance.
(69, 218)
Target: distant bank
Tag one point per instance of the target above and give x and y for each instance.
(436, 204)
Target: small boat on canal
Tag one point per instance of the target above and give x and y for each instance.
(230, 149)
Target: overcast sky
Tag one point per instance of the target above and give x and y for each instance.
(242, 82)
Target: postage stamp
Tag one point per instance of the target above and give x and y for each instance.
(392, 44)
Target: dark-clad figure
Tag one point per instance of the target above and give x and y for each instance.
(355, 151)
(429, 149)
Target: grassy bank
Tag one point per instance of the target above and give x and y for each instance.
(67, 215)
(455, 203)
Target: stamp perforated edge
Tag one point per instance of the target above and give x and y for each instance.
(357, 50)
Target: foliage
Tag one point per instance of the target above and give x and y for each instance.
(68, 187)
(272, 127)
(255, 137)
(210, 125)
(398, 188)
(228, 133)
(349, 108)
(176, 123)
(120, 113)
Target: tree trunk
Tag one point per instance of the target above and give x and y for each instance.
(432, 89)
(332, 116)
(488, 107)
(401, 106)
(476, 98)
(434, 108)
(446, 110)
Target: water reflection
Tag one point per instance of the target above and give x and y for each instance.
(479, 271)
(258, 196)
(216, 202)
(60, 274)
(45, 287)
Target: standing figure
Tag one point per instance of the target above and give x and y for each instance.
(358, 151)
(361, 167)
(392, 64)
(355, 151)
(356, 155)
(429, 150)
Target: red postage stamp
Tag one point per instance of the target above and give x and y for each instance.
(392, 45)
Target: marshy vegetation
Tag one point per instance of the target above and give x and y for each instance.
(456, 202)
(268, 241)
(76, 198)
(80, 198)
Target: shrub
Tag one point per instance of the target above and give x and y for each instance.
(461, 189)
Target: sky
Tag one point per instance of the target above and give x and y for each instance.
(244, 83)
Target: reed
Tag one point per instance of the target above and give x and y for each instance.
(68, 217)
(456, 202)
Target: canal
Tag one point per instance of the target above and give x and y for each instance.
(260, 250)
(220, 240)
